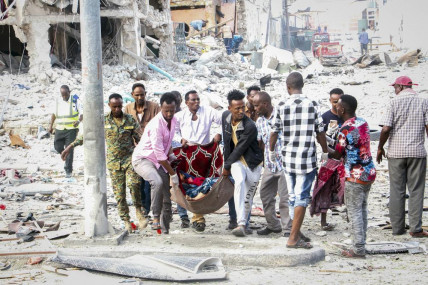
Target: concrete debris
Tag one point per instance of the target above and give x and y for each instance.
(300, 58)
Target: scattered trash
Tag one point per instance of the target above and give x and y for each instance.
(22, 86)
(15, 140)
(34, 260)
(42, 133)
(2, 207)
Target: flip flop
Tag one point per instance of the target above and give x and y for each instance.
(300, 244)
(349, 253)
(328, 227)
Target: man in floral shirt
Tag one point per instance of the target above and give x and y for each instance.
(354, 144)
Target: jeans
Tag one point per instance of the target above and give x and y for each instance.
(356, 203)
(62, 139)
(145, 195)
(228, 45)
(364, 49)
(246, 181)
(299, 189)
(182, 212)
(408, 172)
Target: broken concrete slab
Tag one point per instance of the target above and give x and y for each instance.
(34, 188)
(162, 267)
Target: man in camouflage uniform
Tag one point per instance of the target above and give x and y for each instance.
(121, 130)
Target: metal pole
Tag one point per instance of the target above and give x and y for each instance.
(287, 26)
(96, 222)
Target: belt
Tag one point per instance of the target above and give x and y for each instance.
(355, 180)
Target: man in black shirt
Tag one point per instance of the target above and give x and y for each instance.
(332, 124)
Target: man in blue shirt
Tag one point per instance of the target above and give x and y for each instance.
(364, 40)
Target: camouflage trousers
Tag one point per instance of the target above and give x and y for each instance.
(119, 180)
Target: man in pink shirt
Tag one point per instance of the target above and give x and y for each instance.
(151, 160)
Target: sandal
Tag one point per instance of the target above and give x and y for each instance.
(328, 227)
(349, 253)
(156, 226)
(300, 244)
(421, 234)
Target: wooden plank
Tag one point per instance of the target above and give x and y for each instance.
(10, 253)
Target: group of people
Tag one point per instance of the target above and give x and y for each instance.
(257, 134)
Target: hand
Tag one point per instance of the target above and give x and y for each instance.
(50, 129)
(330, 141)
(272, 156)
(217, 138)
(172, 157)
(174, 180)
(331, 130)
(184, 143)
(226, 172)
(324, 157)
(380, 153)
(66, 152)
(75, 124)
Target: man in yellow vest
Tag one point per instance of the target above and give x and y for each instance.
(68, 114)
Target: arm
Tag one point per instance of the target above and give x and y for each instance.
(80, 110)
(159, 151)
(321, 138)
(384, 135)
(53, 117)
(426, 129)
(66, 151)
(137, 132)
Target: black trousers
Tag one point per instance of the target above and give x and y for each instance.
(62, 139)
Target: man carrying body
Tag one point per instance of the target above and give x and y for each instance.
(364, 40)
(249, 107)
(150, 161)
(299, 119)
(142, 111)
(332, 123)
(193, 127)
(405, 124)
(242, 157)
(68, 114)
(353, 144)
(273, 178)
(121, 131)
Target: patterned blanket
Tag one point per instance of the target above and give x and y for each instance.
(329, 188)
(199, 161)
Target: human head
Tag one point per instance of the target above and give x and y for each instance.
(262, 103)
(178, 100)
(204, 23)
(364, 30)
(335, 95)
(168, 103)
(346, 106)
(294, 83)
(65, 92)
(192, 100)
(115, 102)
(139, 93)
(401, 83)
(251, 92)
(236, 104)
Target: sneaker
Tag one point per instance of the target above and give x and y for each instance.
(128, 227)
(199, 227)
(142, 221)
(266, 231)
(232, 225)
(68, 174)
(239, 231)
(248, 231)
(185, 223)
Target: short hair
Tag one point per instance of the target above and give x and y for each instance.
(65, 87)
(235, 95)
(186, 96)
(253, 88)
(138, 85)
(364, 30)
(295, 80)
(115, 96)
(168, 98)
(337, 91)
(264, 96)
(350, 103)
(177, 96)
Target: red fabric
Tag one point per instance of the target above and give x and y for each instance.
(200, 161)
(329, 188)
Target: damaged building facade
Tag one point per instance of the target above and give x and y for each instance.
(45, 33)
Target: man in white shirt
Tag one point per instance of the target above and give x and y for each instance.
(193, 127)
